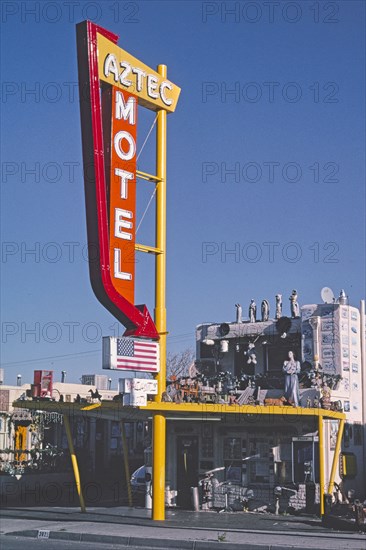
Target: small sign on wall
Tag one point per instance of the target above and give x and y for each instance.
(135, 390)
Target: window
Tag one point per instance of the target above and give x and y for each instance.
(232, 459)
(258, 460)
(277, 355)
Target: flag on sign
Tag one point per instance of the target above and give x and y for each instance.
(131, 354)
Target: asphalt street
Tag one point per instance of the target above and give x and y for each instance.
(17, 543)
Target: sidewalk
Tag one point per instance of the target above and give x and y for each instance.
(131, 527)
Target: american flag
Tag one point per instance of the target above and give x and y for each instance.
(137, 355)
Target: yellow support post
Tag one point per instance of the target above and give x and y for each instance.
(125, 460)
(321, 463)
(160, 244)
(159, 421)
(158, 472)
(336, 456)
(74, 461)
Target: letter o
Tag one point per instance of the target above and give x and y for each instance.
(57, 9)
(52, 259)
(246, 168)
(258, 90)
(298, 13)
(98, 330)
(57, 496)
(97, 8)
(45, 172)
(289, 98)
(131, 143)
(291, 418)
(45, 335)
(246, 257)
(258, 12)
(252, 418)
(288, 257)
(298, 172)
(90, 253)
(54, 98)
(98, 494)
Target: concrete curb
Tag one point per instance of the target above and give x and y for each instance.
(341, 524)
(158, 544)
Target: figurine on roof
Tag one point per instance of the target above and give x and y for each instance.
(239, 313)
(252, 311)
(265, 310)
(278, 306)
(295, 309)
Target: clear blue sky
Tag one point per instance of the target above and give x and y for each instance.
(293, 130)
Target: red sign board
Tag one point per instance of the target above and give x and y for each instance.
(108, 121)
(122, 192)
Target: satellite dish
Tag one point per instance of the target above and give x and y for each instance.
(224, 329)
(327, 295)
(283, 325)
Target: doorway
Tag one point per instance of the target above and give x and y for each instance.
(99, 447)
(187, 469)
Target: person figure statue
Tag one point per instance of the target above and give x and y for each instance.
(291, 368)
(239, 313)
(295, 310)
(278, 306)
(252, 311)
(265, 310)
(325, 398)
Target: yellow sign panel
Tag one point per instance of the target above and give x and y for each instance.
(119, 68)
(90, 407)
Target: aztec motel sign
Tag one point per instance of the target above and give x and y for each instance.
(112, 85)
(118, 68)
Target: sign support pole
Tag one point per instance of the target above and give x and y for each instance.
(126, 464)
(321, 464)
(159, 421)
(74, 462)
(336, 456)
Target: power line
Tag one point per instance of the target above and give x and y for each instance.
(172, 338)
(50, 357)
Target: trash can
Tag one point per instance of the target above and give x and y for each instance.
(195, 499)
(309, 497)
(327, 504)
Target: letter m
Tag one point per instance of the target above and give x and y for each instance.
(127, 110)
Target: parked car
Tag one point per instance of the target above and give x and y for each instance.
(138, 481)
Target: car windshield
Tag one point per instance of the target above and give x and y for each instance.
(139, 474)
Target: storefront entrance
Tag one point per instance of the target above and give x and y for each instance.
(187, 469)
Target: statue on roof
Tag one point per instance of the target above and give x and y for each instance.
(239, 313)
(295, 309)
(265, 310)
(278, 306)
(252, 311)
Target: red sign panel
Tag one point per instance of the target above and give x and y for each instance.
(108, 122)
(122, 193)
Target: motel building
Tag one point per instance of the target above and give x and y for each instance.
(232, 443)
(35, 465)
(262, 452)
